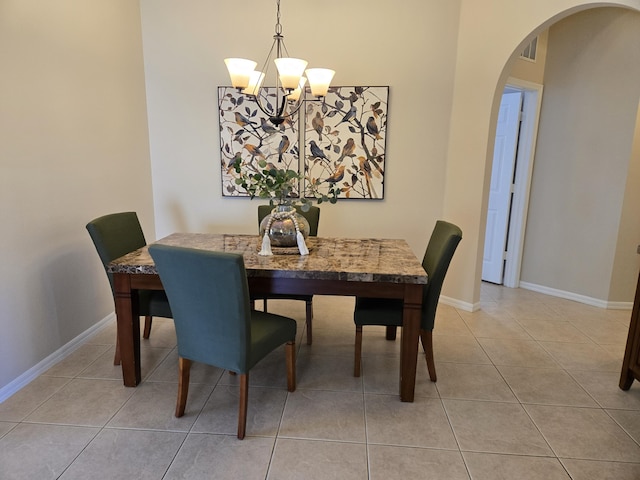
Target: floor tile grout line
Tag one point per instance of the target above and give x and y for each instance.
(453, 432)
(573, 377)
(46, 399)
(277, 435)
(80, 453)
(190, 431)
(539, 430)
(175, 455)
(364, 419)
(606, 411)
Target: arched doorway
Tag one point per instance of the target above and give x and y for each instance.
(586, 133)
(476, 94)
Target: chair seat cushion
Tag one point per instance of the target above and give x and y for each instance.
(154, 303)
(268, 331)
(378, 311)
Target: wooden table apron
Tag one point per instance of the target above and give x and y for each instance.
(411, 293)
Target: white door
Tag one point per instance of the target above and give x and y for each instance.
(504, 155)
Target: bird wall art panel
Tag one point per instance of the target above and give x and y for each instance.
(344, 142)
(247, 134)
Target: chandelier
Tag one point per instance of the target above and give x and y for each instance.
(290, 83)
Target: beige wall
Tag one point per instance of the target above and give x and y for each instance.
(582, 158)
(73, 145)
(626, 262)
(532, 71)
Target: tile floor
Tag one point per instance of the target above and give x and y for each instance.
(527, 389)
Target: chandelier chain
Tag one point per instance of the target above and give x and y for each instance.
(278, 24)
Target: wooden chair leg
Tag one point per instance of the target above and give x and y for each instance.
(290, 351)
(244, 401)
(391, 332)
(116, 356)
(309, 311)
(184, 368)
(147, 326)
(358, 352)
(426, 338)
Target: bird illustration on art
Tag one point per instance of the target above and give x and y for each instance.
(268, 128)
(365, 166)
(375, 159)
(237, 158)
(283, 147)
(253, 150)
(365, 169)
(316, 151)
(350, 115)
(318, 124)
(242, 120)
(347, 150)
(373, 129)
(336, 176)
(352, 97)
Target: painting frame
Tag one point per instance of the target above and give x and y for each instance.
(247, 134)
(345, 142)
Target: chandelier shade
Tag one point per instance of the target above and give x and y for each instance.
(319, 80)
(255, 82)
(290, 70)
(294, 96)
(240, 70)
(289, 81)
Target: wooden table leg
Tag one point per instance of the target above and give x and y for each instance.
(631, 361)
(128, 329)
(409, 339)
(626, 379)
(391, 332)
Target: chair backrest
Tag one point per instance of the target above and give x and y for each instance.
(312, 216)
(442, 245)
(116, 235)
(209, 297)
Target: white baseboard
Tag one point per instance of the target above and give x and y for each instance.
(620, 305)
(64, 351)
(595, 302)
(467, 307)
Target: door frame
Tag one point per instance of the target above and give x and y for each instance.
(501, 189)
(531, 104)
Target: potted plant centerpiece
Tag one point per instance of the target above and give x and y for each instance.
(284, 227)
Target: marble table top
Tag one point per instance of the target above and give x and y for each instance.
(347, 259)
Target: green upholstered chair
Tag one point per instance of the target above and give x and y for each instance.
(115, 235)
(209, 297)
(388, 312)
(313, 217)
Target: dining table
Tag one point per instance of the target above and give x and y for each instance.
(365, 267)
